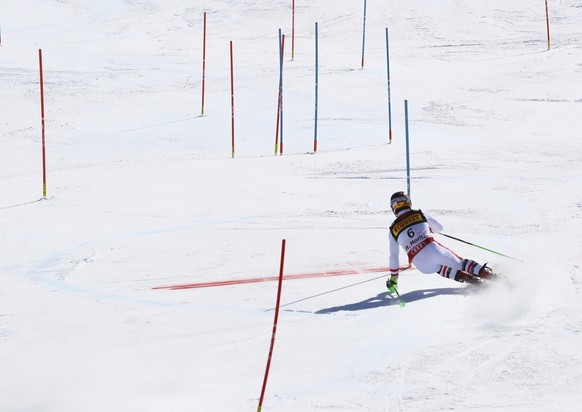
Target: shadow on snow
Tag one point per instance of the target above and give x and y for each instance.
(385, 299)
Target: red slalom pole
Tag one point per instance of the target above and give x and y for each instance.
(42, 123)
(274, 327)
(203, 63)
(232, 96)
(388, 81)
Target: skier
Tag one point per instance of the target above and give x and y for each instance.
(412, 230)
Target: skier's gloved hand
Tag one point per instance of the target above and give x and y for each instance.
(392, 284)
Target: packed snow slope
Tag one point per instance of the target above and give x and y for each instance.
(143, 194)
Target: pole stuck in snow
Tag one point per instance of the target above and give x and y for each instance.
(316, 85)
(42, 124)
(279, 97)
(278, 304)
(232, 97)
(407, 148)
(548, 24)
(364, 35)
(203, 63)
(293, 30)
(388, 75)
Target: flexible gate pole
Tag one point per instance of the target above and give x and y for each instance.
(274, 327)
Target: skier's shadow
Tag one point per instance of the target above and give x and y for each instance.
(385, 299)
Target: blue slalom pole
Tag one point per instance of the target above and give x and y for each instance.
(389, 103)
(278, 98)
(407, 148)
(364, 35)
(316, 85)
(282, 47)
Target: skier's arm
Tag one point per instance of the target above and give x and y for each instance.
(435, 225)
(394, 259)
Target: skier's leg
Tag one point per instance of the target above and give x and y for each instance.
(454, 267)
(458, 275)
(437, 258)
(440, 259)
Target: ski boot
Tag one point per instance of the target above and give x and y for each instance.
(465, 277)
(486, 273)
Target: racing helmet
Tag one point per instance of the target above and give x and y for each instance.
(400, 201)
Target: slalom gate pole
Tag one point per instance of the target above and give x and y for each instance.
(548, 24)
(203, 63)
(0, 35)
(281, 101)
(364, 35)
(480, 247)
(42, 124)
(232, 97)
(389, 103)
(278, 304)
(279, 96)
(407, 148)
(316, 85)
(293, 30)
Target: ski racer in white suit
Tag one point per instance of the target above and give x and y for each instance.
(413, 231)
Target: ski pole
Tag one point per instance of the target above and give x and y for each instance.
(480, 247)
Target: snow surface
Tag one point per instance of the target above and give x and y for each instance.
(143, 193)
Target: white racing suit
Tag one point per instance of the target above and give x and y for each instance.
(412, 230)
